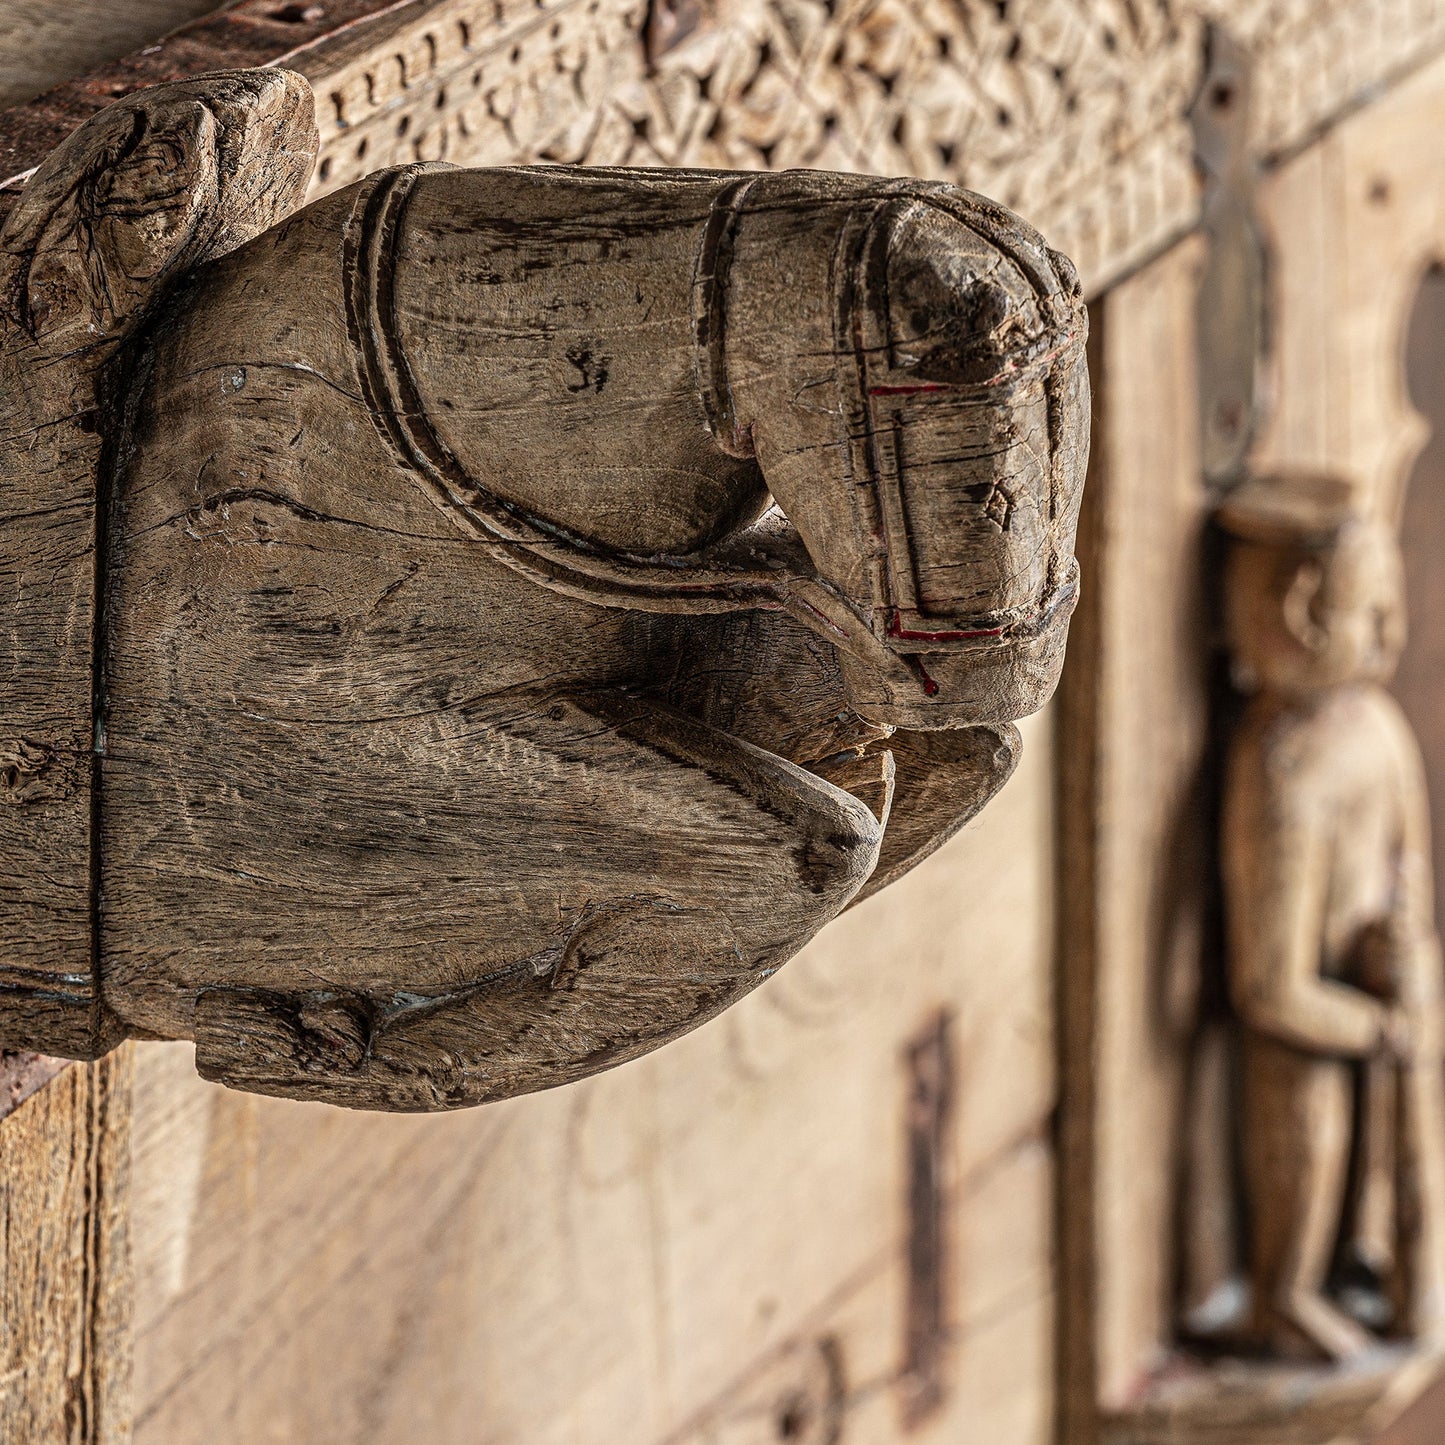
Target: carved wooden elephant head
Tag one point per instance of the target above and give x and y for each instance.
(503, 614)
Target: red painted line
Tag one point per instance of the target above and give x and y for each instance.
(895, 629)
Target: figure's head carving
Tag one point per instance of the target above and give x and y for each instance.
(1315, 587)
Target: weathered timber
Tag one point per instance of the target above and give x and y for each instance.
(516, 609)
(139, 196)
(65, 1280)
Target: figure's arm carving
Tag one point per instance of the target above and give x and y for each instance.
(532, 601)
(1277, 866)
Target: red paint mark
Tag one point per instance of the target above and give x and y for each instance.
(822, 617)
(930, 687)
(896, 629)
(918, 389)
(1011, 369)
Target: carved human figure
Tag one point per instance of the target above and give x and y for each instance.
(1334, 965)
(534, 601)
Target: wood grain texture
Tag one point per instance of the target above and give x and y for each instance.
(42, 45)
(1271, 1404)
(502, 570)
(65, 1285)
(444, 1277)
(1011, 99)
(1359, 216)
(660, 1253)
(1422, 1424)
(1133, 842)
(1074, 114)
(122, 208)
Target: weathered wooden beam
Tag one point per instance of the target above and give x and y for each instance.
(65, 1284)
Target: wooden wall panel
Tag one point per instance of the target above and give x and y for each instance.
(1354, 223)
(1132, 750)
(832, 1207)
(1420, 682)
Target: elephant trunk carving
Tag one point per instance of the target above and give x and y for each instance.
(523, 606)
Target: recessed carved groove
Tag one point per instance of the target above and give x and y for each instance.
(931, 1087)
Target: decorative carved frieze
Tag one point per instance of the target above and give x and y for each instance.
(1071, 111)
(1074, 115)
(1314, 59)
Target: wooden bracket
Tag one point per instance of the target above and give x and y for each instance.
(472, 629)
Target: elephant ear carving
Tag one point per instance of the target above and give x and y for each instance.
(152, 186)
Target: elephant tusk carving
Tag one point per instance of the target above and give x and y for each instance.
(469, 630)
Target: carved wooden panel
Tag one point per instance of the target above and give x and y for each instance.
(812, 1222)
(543, 638)
(1053, 107)
(226, 1178)
(1074, 113)
(1350, 222)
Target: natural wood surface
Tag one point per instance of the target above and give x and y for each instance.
(123, 208)
(543, 638)
(43, 44)
(1237, 1403)
(1359, 216)
(662, 1253)
(1133, 839)
(758, 80)
(1077, 112)
(798, 1240)
(65, 1284)
(1335, 978)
